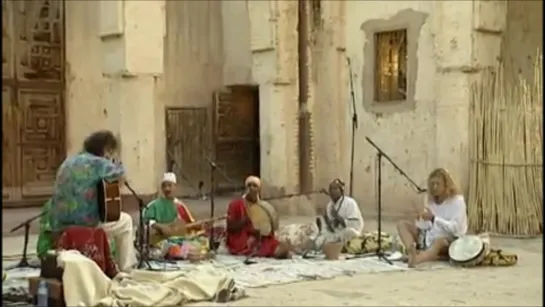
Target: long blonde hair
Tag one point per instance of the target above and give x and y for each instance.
(451, 187)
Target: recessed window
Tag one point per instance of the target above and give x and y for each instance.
(390, 66)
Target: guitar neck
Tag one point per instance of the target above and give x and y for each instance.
(201, 222)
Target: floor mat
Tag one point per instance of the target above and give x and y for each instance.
(265, 272)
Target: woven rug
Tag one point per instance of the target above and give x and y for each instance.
(265, 272)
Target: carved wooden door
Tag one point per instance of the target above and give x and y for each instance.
(33, 87)
(236, 131)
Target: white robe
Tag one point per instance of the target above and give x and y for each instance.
(450, 220)
(350, 212)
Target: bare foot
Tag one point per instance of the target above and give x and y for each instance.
(412, 257)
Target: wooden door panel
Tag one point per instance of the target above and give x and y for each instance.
(236, 160)
(7, 39)
(40, 39)
(235, 118)
(41, 140)
(235, 134)
(188, 145)
(10, 137)
(33, 64)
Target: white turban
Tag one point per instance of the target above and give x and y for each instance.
(169, 177)
(253, 179)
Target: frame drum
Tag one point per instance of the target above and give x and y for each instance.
(467, 251)
(264, 217)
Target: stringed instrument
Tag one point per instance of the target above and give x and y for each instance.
(109, 201)
(178, 228)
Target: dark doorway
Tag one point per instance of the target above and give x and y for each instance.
(236, 135)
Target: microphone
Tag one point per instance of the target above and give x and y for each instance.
(212, 163)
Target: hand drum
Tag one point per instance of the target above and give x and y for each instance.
(263, 217)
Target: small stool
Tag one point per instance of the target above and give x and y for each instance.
(49, 268)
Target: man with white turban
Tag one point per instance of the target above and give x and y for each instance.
(242, 237)
(165, 211)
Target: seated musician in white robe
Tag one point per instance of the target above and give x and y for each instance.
(443, 220)
(343, 219)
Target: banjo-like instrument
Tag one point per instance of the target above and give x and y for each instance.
(178, 228)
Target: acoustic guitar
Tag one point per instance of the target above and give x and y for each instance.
(109, 201)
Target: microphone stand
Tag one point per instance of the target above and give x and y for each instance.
(354, 127)
(212, 244)
(26, 224)
(142, 245)
(380, 154)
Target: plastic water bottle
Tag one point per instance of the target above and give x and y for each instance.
(42, 295)
(395, 244)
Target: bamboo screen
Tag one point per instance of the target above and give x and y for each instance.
(506, 147)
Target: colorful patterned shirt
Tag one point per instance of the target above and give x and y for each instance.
(74, 202)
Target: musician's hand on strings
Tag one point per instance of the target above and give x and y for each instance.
(427, 215)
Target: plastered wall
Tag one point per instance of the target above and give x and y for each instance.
(111, 81)
(205, 45)
(523, 36)
(452, 42)
(209, 44)
(85, 85)
(409, 134)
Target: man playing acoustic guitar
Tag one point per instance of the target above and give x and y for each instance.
(167, 217)
(73, 208)
(242, 237)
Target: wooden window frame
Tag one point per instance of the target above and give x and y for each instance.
(397, 92)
